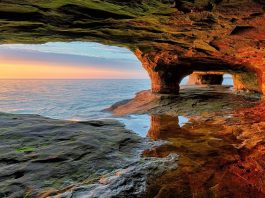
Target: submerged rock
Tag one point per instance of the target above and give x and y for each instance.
(216, 151)
(220, 155)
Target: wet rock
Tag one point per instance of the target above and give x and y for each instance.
(192, 100)
(39, 155)
(132, 181)
(221, 154)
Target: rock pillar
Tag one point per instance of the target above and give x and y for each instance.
(246, 81)
(165, 74)
(165, 82)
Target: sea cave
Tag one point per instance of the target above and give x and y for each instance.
(179, 112)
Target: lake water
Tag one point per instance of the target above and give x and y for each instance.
(75, 99)
(69, 99)
(66, 99)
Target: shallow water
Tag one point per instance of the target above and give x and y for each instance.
(141, 124)
(218, 156)
(214, 160)
(73, 99)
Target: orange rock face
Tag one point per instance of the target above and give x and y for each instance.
(228, 36)
(165, 77)
(172, 40)
(218, 157)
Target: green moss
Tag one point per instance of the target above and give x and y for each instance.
(27, 195)
(17, 8)
(68, 20)
(26, 149)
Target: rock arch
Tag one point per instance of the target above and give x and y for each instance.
(203, 36)
(166, 70)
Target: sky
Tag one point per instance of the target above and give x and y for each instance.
(73, 60)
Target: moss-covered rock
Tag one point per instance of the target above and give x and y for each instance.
(178, 37)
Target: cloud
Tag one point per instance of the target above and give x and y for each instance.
(88, 49)
(71, 57)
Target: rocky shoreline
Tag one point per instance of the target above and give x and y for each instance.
(220, 144)
(191, 101)
(43, 157)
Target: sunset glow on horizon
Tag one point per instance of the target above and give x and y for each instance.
(40, 63)
(29, 70)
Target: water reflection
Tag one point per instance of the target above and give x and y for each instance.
(162, 126)
(137, 123)
(210, 163)
(144, 124)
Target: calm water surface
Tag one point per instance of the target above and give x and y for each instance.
(211, 164)
(75, 99)
(66, 99)
(72, 99)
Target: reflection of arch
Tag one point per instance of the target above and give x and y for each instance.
(210, 163)
(163, 127)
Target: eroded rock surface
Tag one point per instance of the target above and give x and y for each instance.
(221, 155)
(205, 79)
(39, 156)
(192, 100)
(131, 182)
(220, 144)
(216, 152)
(172, 39)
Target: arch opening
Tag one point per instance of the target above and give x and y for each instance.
(228, 80)
(208, 78)
(247, 81)
(75, 60)
(168, 71)
(205, 78)
(59, 78)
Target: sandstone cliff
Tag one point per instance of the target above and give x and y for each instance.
(172, 39)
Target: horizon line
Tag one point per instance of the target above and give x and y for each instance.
(74, 78)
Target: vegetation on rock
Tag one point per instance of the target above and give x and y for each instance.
(172, 39)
